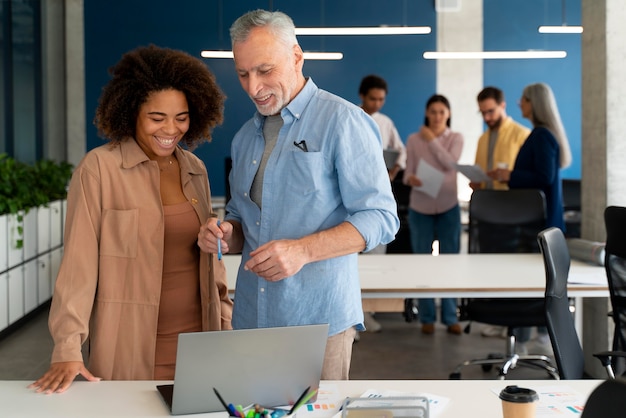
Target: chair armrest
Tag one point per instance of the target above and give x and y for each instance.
(605, 356)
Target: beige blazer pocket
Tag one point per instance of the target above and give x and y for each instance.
(118, 237)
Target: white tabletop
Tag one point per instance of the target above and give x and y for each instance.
(461, 275)
(465, 398)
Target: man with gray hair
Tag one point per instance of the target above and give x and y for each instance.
(309, 191)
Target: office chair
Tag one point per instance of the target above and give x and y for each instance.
(615, 266)
(506, 221)
(565, 343)
(608, 400)
(571, 207)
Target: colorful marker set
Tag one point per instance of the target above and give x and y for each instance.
(258, 411)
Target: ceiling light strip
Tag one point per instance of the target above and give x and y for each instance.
(307, 55)
(375, 30)
(560, 29)
(494, 55)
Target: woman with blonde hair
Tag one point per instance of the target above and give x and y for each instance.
(543, 154)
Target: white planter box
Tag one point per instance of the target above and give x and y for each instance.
(44, 291)
(30, 234)
(25, 286)
(30, 286)
(16, 255)
(57, 215)
(16, 294)
(43, 229)
(4, 301)
(4, 243)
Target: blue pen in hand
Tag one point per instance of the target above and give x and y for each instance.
(219, 244)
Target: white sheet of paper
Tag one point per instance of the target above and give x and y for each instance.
(473, 172)
(431, 178)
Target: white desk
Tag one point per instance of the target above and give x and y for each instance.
(460, 275)
(399, 276)
(469, 275)
(467, 398)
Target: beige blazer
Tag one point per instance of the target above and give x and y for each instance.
(511, 137)
(109, 283)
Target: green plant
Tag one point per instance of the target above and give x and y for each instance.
(24, 186)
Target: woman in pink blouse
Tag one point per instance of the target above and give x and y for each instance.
(434, 212)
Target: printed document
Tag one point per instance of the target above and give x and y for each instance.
(431, 178)
(473, 172)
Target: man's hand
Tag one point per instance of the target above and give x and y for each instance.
(277, 260)
(60, 376)
(476, 186)
(500, 174)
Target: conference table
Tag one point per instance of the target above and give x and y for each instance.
(460, 275)
(394, 277)
(448, 398)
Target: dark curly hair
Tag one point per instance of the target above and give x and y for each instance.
(145, 70)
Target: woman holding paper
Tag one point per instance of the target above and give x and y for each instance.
(434, 212)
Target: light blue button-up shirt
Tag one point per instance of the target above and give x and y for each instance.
(341, 177)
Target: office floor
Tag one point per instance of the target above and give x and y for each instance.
(399, 351)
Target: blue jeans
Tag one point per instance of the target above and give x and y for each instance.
(446, 228)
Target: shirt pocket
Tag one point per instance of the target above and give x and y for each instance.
(119, 233)
(308, 173)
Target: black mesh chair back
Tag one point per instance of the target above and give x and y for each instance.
(565, 343)
(615, 265)
(503, 221)
(506, 221)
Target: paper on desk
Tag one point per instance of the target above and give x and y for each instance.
(561, 401)
(436, 403)
(473, 172)
(326, 405)
(431, 178)
(598, 281)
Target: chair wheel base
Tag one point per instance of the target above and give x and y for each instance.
(410, 310)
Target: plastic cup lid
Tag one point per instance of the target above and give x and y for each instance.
(518, 395)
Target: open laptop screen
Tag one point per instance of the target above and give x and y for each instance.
(268, 366)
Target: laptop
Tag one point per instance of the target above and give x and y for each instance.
(268, 366)
(390, 156)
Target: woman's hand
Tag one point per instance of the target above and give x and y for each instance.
(210, 232)
(414, 181)
(427, 134)
(60, 376)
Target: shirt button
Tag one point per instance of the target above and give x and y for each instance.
(253, 161)
(258, 223)
(262, 290)
(245, 194)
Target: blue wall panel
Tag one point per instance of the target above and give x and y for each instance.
(513, 25)
(112, 28)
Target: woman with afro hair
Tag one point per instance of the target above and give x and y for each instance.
(132, 276)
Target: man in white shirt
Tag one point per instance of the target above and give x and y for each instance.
(373, 92)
